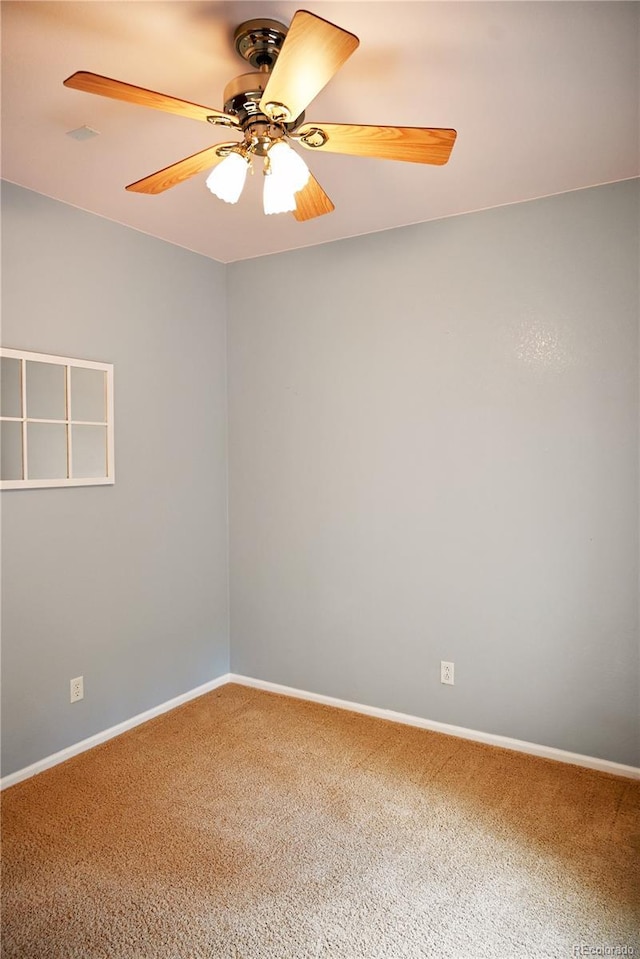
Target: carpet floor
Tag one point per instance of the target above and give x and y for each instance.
(246, 825)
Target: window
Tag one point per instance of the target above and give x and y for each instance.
(56, 421)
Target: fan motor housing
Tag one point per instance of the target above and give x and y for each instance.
(243, 94)
(242, 97)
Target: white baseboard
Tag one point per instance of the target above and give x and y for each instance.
(491, 739)
(102, 737)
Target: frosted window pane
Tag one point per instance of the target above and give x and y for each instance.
(46, 397)
(46, 450)
(11, 404)
(88, 393)
(11, 451)
(89, 445)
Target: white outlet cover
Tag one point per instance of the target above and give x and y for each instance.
(446, 673)
(76, 689)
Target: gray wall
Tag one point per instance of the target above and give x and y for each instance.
(433, 455)
(433, 442)
(127, 584)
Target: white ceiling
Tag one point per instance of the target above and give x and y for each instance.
(544, 96)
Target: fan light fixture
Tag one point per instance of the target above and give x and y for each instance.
(285, 174)
(291, 65)
(226, 180)
(277, 196)
(288, 165)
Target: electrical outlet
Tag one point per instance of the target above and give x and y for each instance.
(77, 690)
(446, 673)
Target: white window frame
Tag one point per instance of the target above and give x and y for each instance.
(69, 422)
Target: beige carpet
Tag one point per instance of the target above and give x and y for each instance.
(245, 825)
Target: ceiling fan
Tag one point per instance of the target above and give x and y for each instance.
(292, 65)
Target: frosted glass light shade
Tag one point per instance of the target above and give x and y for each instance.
(226, 180)
(288, 165)
(287, 173)
(277, 197)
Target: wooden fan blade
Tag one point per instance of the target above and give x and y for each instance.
(312, 52)
(105, 87)
(312, 201)
(180, 171)
(413, 144)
